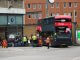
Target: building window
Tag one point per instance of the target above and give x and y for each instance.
(29, 6)
(65, 13)
(34, 6)
(46, 6)
(39, 15)
(70, 4)
(65, 4)
(34, 16)
(39, 6)
(70, 14)
(52, 5)
(75, 4)
(51, 14)
(29, 15)
(75, 14)
(57, 5)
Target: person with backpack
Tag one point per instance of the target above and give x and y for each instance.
(24, 40)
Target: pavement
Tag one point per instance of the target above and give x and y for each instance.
(40, 53)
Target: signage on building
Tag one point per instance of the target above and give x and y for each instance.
(78, 35)
(11, 20)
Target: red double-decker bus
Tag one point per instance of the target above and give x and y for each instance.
(59, 27)
(63, 29)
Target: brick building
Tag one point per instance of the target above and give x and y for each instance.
(11, 17)
(36, 9)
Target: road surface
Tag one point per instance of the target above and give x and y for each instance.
(40, 53)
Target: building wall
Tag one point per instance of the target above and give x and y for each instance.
(61, 9)
(34, 11)
(29, 29)
(52, 11)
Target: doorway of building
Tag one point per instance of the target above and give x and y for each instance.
(13, 31)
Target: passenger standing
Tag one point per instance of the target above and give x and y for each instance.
(24, 40)
(34, 38)
(40, 42)
(48, 41)
(4, 43)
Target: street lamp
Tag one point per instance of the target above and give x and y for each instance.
(74, 27)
